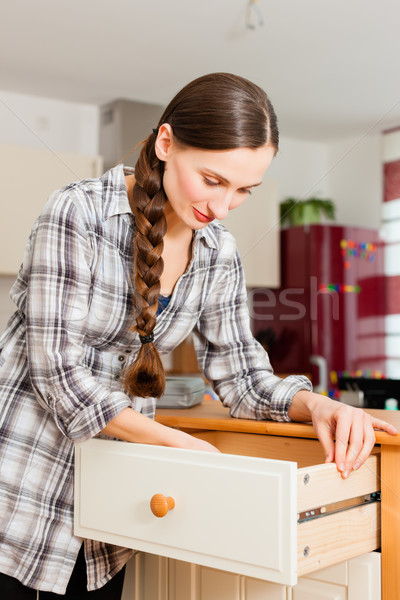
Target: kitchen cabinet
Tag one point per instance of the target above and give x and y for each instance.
(274, 443)
(295, 440)
(31, 175)
(255, 516)
(315, 590)
(255, 226)
(151, 577)
(208, 528)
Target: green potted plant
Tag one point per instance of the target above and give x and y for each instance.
(294, 211)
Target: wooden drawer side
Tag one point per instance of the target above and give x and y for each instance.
(322, 484)
(331, 539)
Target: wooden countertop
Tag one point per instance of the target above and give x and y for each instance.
(211, 415)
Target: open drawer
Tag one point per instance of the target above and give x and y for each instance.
(254, 516)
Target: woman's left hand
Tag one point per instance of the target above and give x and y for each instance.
(346, 433)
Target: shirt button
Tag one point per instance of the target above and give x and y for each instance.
(121, 358)
(117, 376)
(49, 397)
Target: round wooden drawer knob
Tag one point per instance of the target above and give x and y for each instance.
(160, 505)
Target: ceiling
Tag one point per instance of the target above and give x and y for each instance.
(331, 67)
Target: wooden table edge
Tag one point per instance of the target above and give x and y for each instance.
(213, 416)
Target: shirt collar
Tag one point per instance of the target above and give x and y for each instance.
(208, 234)
(114, 191)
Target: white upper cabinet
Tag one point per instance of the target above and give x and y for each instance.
(255, 225)
(29, 176)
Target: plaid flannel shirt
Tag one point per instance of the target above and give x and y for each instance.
(61, 358)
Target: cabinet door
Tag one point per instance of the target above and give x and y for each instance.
(217, 585)
(254, 589)
(202, 583)
(150, 577)
(255, 226)
(365, 577)
(355, 579)
(308, 589)
(32, 174)
(146, 578)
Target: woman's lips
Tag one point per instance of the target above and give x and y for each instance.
(201, 217)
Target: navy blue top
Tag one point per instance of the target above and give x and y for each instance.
(163, 302)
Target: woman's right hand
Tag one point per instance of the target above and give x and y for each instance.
(132, 426)
(193, 443)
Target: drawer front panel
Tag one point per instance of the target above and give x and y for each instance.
(231, 512)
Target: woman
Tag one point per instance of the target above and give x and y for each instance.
(128, 246)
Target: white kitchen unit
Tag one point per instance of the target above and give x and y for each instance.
(151, 577)
(256, 517)
(256, 227)
(30, 176)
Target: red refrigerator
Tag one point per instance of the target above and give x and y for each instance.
(327, 318)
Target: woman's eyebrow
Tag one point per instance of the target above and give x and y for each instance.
(225, 180)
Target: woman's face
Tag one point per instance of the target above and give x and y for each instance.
(203, 185)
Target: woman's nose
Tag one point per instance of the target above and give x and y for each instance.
(220, 206)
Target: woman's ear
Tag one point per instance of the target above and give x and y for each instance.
(163, 143)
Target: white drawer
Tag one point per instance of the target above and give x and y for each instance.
(234, 513)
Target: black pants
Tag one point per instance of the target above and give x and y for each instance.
(12, 589)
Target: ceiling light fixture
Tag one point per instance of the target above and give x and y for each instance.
(254, 16)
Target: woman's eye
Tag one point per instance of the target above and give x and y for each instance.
(247, 192)
(210, 182)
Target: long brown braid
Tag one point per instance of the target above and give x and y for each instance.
(145, 377)
(220, 111)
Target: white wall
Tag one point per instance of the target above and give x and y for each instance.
(6, 306)
(354, 180)
(300, 167)
(348, 171)
(47, 123)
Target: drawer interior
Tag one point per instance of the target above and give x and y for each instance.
(303, 451)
